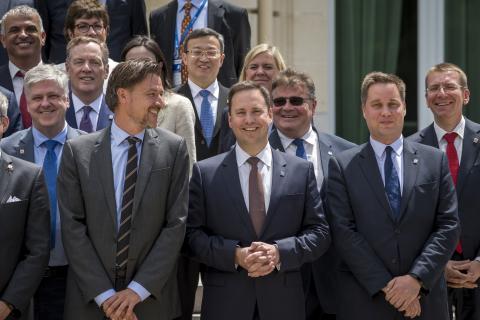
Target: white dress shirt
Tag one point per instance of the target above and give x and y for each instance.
(17, 81)
(264, 168)
(397, 157)
(458, 143)
(214, 90)
(94, 113)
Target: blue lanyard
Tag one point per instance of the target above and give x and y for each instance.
(187, 29)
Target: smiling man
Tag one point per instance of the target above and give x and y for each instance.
(393, 214)
(123, 199)
(87, 69)
(255, 217)
(447, 94)
(23, 37)
(46, 90)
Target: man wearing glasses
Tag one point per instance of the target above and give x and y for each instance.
(203, 55)
(446, 94)
(294, 106)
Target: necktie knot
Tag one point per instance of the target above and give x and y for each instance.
(300, 148)
(187, 7)
(450, 137)
(204, 93)
(50, 144)
(388, 151)
(86, 110)
(20, 74)
(298, 142)
(132, 140)
(253, 161)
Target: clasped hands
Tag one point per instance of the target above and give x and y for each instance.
(462, 274)
(120, 306)
(259, 259)
(403, 293)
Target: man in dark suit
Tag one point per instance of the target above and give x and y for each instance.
(23, 37)
(123, 204)
(24, 229)
(203, 58)
(446, 95)
(13, 113)
(87, 69)
(228, 20)
(255, 217)
(127, 19)
(294, 104)
(48, 126)
(393, 213)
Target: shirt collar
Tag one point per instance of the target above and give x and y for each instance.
(39, 138)
(195, 3)
(265, 155)
(459, 129)
(14, 69)
(379, 148)
(119, 135)
(309, 137)
(213, 88)
(95, 105)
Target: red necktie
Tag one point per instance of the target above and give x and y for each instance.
(26, 118)
(186, 20)
(454, 165)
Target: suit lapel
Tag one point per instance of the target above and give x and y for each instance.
(102, 161)
(231, 182)
(410, 171)
(24, 149)
(371, 172)
(275, 141)
(326, 152)
(5, 176)
(147, 158)
(279, 166)
(5, 78)
(70, 115)
(215, 15)
(105, 116)
(222, 102)
(471, 140)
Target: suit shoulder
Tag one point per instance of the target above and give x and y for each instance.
(425, 149)
(9, 142)
(167, 135)
(472, 125)
(26, 167)
(336, 141)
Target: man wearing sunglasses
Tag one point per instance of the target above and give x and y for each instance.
(446, 95)
(294, 105)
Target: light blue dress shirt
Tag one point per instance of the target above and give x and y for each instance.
(397, 157)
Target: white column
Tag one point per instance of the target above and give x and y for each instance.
(430, 49)
(265, 21)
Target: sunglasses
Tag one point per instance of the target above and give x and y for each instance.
(294, 101)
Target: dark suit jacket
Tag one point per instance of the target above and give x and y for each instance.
(222, 133)
(374, 247)
(13, 112)
(223, 17)
(21, 143)
(467, 183)
(89, 222)
(127, 18)
(321, 273)
(218, 221)
(5, 78)
(104, 118)
(24, 230)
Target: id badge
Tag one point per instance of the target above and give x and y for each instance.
(177, 72)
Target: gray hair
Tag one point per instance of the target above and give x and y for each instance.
(3, 105)
(24, 11)
(44, 72)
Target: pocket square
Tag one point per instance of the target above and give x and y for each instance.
(12, 199)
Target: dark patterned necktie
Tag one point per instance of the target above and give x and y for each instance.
(85, 122)
(392, 183)
(123, 240)
(186, 20)
(256, 196)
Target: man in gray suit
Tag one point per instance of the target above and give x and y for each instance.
(46, 90)
(24, 229)
(393, 214)
(294, 104)
(123, 204)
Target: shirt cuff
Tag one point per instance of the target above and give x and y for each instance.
(139, 289)
(102, 297)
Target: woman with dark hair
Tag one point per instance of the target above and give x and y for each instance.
(177, 116)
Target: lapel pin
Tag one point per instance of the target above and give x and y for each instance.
(415, 161)
(22, 151)
(110, 116)
(282, 173)
(10, 167)
(475, 140)
(330, 153)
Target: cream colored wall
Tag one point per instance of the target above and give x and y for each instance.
(301, 32)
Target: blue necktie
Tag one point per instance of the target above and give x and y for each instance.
(392, 183)
(206, 117)
(300, 148)
(50, 171)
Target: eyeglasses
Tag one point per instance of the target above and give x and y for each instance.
(447, 87)
(294, 101)
(85, 27)
(210, 54)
